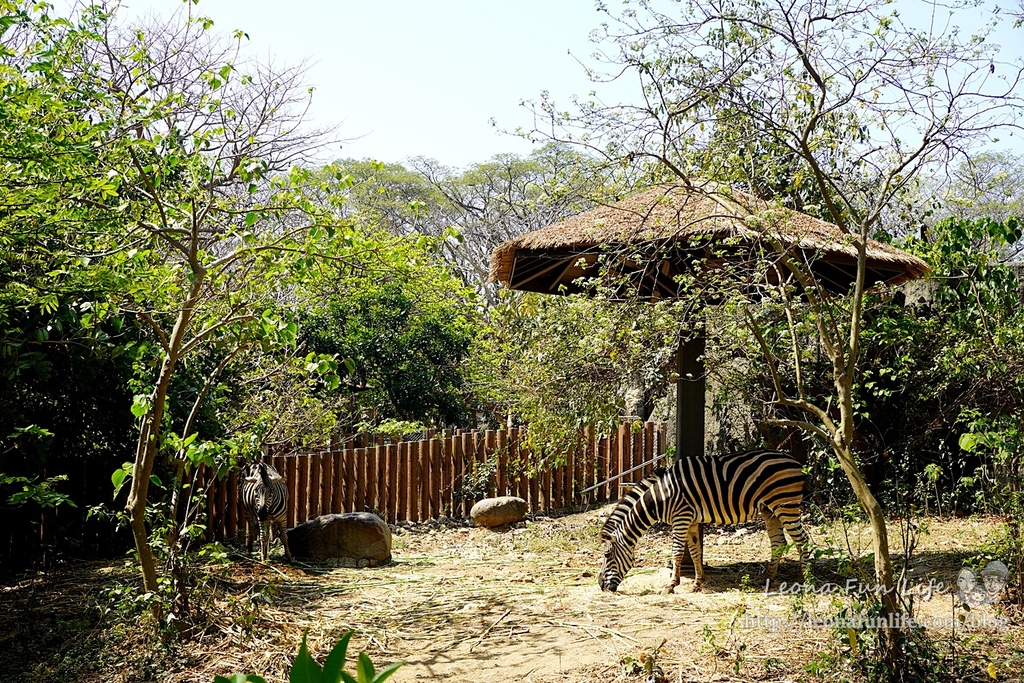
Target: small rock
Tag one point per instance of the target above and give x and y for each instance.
(501, 511)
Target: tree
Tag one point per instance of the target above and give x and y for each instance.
(56, 334)
(563, 364)
(849, 100)
(404, 334)
(508, 195)
(215, 223)
(989, 186)
(475, 209)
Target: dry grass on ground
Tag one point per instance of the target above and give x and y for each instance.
(463, 604)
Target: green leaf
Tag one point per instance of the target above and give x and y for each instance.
(141, 404)
(335, 661)
(968, 442)
(119, 477)
(387, 672)
(364, 668)
(304, 668)
(240, 678)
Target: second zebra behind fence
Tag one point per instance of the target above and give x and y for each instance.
(264, 498)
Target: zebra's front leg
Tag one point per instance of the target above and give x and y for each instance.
(284, 540)
(265, 540)
(693, 541)
(248, 527)
(678, 548)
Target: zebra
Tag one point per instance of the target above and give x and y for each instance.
(264, 498)
(718, 490)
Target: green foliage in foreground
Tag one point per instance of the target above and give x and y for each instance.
(305, 669)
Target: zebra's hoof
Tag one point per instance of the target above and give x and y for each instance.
(668, 590)
(698, 586)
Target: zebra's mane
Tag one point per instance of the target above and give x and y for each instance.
(627, 502)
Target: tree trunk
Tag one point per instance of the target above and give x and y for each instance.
(149, 439)
(145, 458)
(886, 587)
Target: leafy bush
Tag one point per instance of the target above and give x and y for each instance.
(306, 670)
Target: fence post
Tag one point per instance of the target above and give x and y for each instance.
(570, 486)
(622, 434)
(434, 446)
(380, 493)
(501, 460)
(423, 480)
(490, 456)
(514, 466)
(447, 474)
(534, 484)
(313, 490)
(557, 474)
(638, 451)
(360, 479)
(648, 448)
(348, 459)
(370, 493)
(307, 469)
(412, 462)
(402, 476)
(231, 509)
(391, 466)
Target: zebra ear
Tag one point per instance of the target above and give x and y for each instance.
(251, 478)
(274, 476)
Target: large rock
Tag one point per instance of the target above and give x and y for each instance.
(354, 539)
(491, 512)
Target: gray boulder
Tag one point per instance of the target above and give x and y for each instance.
(501, 511)
(354, 539)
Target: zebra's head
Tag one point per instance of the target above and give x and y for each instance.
(259, 471)
(261, 478)
(619, 558)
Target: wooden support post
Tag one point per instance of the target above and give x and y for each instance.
(690, 396)
(690, 405)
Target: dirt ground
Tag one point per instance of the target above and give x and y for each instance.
(522, 604)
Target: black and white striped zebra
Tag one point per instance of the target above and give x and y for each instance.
(264, 499)
(719, 490)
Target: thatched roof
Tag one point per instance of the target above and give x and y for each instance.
(549, 259)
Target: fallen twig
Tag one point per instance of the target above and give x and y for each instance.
(484, 634)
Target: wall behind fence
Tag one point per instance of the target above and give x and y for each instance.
(421, 480)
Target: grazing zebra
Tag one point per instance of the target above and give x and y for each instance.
(718, 490)
(264, 499)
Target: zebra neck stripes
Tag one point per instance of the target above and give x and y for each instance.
(626, 503)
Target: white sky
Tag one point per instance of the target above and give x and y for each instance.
(417, 77)
(407, 78)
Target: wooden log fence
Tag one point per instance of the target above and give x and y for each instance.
(441, 475)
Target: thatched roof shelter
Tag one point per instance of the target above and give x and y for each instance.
(655, 233)
(653, 237)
